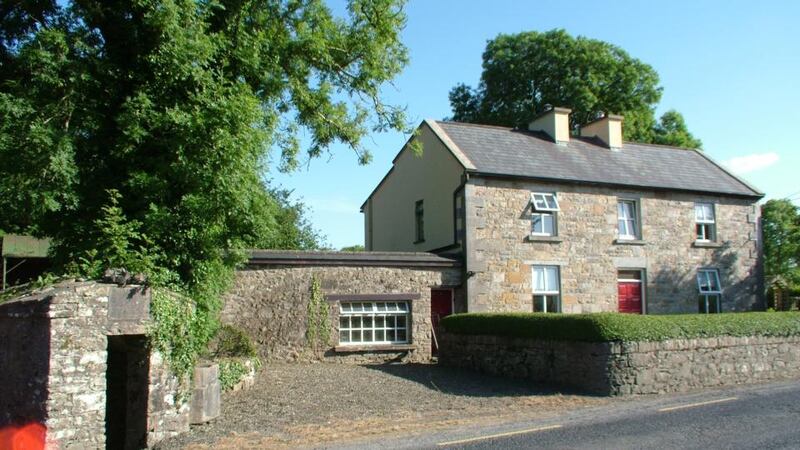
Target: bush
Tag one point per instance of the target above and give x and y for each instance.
(231, 341)
(232, 348)
(233, 370)
(606, 327)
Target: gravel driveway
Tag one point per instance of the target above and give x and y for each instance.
(296, 405)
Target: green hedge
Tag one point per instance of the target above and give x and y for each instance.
(605, 327)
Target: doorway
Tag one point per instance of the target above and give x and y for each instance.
(127, 389)
(631, 291)
(441, 307)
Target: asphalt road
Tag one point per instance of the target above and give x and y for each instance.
(755, 417)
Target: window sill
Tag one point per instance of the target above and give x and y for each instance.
(706, 244)
(629, 241)
(373, 348)
(551, 239)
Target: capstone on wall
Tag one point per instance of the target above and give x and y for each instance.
(500, 251)
(621, 368)
(270, 302)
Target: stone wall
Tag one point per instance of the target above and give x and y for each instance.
(620, 368)
(53, 363)
(500, 250)
(270, 297)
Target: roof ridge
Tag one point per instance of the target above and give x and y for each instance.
(480, 125)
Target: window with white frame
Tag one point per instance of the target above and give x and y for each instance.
(705, 222)
(627, 219)
(546, 289)
(543, 214)
(710, 291)
(376, 322)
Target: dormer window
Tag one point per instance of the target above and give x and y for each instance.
(543, 215)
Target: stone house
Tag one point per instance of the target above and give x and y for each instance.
(546, 220)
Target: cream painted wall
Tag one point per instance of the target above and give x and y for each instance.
(431, 177)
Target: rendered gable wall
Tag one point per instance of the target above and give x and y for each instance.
(432, 177)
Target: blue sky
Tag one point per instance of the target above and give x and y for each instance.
(731, 67)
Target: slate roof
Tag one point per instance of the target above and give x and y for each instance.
(509, 152)
(334, 258)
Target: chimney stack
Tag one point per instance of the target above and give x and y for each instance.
(554, 122)
(607, 128)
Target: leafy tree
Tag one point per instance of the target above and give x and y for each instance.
(671, 130)
(173, 105)
(524, 72)
(292, 229)
(353, 248)
(780, 221)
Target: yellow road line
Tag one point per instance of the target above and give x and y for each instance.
(693, 405)
(493, 436)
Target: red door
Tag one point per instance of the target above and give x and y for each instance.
(441, 306)
(630, 297)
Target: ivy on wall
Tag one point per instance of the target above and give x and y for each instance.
(177, 331)
(318, 322)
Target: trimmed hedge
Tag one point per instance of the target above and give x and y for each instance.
(606, 327)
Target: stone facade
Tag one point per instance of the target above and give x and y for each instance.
(54, 359)
(615, 368)
(270, 297)
(499, 249)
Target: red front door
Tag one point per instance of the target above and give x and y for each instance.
(630, 297)
(441, 306)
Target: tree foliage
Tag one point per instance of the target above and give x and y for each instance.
(152, 120)
(353, 248)
(780, 221)
(524, 72)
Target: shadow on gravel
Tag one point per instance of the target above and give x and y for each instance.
(455, 381)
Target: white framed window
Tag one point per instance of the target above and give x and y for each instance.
(705, 222)
(543, 201)
(543, 215)
(710, 291)
(546, 289)
(374, 322)
(543, 224)
(627, 219)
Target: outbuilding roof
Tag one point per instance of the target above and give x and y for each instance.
(334, 258)
(507, 152)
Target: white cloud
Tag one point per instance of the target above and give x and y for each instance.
(751, 163)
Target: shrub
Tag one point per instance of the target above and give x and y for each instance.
(232, 348)
(231, 341)
(605, 327)
(233, 370)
